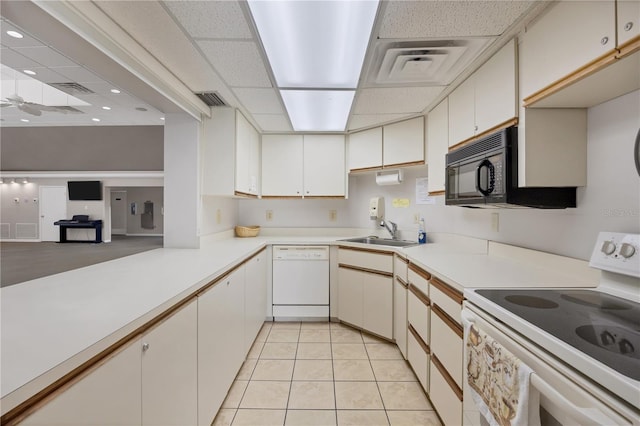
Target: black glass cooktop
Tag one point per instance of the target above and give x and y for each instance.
(604, 327)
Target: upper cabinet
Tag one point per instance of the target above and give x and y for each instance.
(487, 100)
(437, 144)
(628, 20)
(365, 149)
(403, 143)
(230, 155)
(394, 145)
(303, 166)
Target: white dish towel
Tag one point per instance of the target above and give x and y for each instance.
(499, 382)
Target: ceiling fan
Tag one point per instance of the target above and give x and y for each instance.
(33, 108)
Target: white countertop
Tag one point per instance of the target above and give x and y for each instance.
(52, 324)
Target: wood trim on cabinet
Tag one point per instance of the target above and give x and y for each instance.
(577, 75)
(450, 322)
(408, 164)
(421, 342)
(366, 169)
(21, 411)
(420, 295)
(368, 250)
(313, 197)
(447, 289)
(424, 274)
(402, 259)
(508, 123)
(435, 193)
(244, 194)
(369, 271)
(285, 197)
(447, 377)
(629, 47)
(401, 281)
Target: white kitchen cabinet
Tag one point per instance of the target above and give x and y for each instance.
(400, 285)
(437, 146)
(221, 343)
(324, 166)
(255, 297)
(446, 398)
(365, 290)
(570, 35)
(297, 165)
(169, 370)
(628, 21)
(365, 150)
(110, 394)
(230, 155)
(418, 358)
(403, 143)
(487, 99)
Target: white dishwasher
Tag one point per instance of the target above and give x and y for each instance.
(301, 283)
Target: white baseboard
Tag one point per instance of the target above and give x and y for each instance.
(21, 240)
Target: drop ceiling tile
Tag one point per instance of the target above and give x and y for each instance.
(9, 41)
(395, 100)
(369, 120)
(238, 62)
(210, 19)
(257, 101)
(428, 19)
(273, 122)
(46, 75)
(45, 56)
(15, 60)
(77, 74)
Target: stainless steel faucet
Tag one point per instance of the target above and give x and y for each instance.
(392, 229)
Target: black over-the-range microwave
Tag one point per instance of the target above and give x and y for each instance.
(484, 173)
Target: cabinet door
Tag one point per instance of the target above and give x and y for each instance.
(255, 297)
(247, 156)
(377, 312)
(569, 35)
(350, 304)
(400, 316)
(437, 145)
(169, 370)
(446, 400)
(282, 163)
(220, 342)
(365, 149)
(403, 142)
(628, 20)
(462, 112)
(324, 167)
(495, 89)
(109, 395)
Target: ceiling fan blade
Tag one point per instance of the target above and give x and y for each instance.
(30, 110)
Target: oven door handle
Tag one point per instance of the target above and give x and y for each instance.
(581, 415)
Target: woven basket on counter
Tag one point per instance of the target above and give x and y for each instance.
(247, 231)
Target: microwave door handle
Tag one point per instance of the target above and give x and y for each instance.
(492, 177)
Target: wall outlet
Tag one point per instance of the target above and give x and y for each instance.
(495, 222)
(416, 218)
(333, 215)
(16, 200)
(269, 215)
(218, 217)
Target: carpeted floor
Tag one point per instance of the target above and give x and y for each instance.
(21, 262)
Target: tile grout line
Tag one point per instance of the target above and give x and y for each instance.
(384, 407)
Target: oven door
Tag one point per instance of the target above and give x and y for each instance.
(476, 181)
(562, 401)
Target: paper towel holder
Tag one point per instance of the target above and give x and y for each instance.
(389, 177)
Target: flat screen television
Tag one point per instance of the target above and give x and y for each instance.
(85, 190)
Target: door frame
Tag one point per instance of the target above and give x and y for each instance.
(118, 231)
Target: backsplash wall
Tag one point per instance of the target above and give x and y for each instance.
(609, 202)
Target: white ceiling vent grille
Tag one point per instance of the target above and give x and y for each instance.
(72, 88)
(427, 62)
(25, 231)
(212, 99)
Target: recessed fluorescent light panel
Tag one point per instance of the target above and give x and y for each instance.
(315, 44)
(318, 110)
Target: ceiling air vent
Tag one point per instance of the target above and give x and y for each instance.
(212, 99)
(72, 88)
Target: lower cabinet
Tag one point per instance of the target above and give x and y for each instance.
(418, 357)
(445, 399)
(400, 315)
(255, 297)
(221, 342)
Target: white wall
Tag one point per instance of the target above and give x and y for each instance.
(228, 208)
(609, 202)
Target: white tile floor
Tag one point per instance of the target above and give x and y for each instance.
(324, 374)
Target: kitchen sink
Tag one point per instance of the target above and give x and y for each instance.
(382, 241)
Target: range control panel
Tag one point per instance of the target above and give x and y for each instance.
(617, 252)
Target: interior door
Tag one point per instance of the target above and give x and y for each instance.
(53, 207)
(118, 212)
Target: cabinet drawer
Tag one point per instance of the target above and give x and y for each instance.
(447, 298)
(419, 278)
(418, 312)
(446, 343)
(366, 259)
(400, 268)
(418, 357)
(446, 399)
